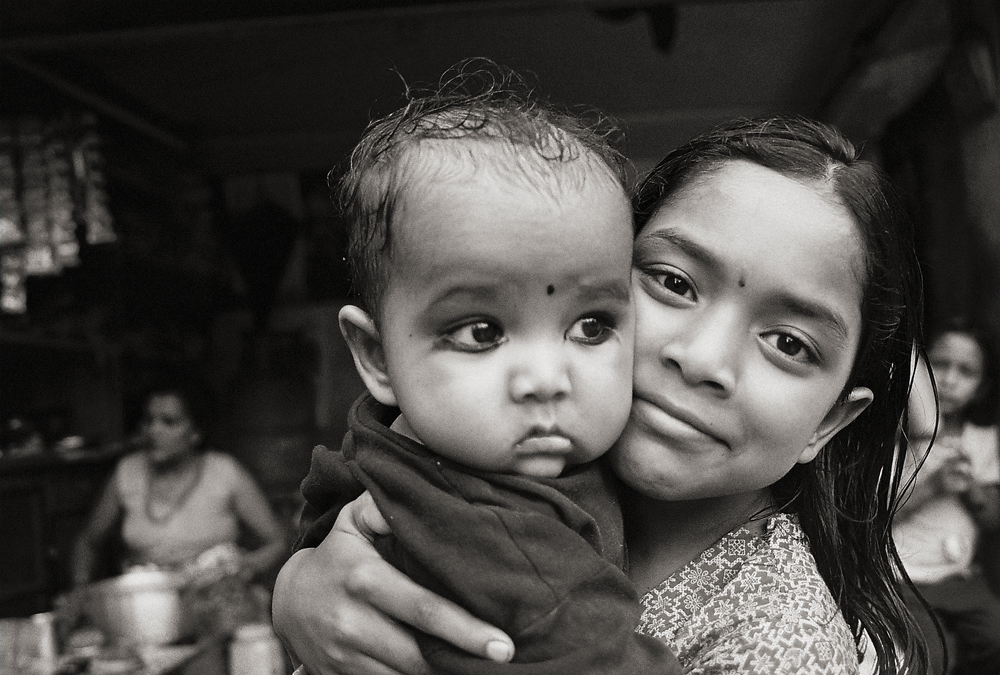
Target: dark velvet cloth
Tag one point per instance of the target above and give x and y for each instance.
(539, 558)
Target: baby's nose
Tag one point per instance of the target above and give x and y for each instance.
(540, 377)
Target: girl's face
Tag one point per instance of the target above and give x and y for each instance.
(169, 429)
(748, 293)
(957, 362)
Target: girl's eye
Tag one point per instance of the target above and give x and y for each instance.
(590, 330)
(970, 371)
(675, 283)
(477, 336)
(791, 346)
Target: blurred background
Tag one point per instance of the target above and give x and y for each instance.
(164, 201)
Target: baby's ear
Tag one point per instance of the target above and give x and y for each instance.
(365, 343)
(840, 415)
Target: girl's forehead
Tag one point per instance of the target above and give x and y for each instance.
(753, 192)
(739, 171)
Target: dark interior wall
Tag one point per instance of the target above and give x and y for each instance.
(944, 154)
(157, 301)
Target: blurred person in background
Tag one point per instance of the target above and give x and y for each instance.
(175, 505)
(955, 499)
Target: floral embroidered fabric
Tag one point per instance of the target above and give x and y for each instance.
(754, 605)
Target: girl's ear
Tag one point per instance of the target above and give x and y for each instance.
(365, 343)
(841, 414)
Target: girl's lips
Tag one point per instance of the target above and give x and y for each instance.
(671, 422)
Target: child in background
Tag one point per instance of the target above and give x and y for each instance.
(956, 495)
(491, 239)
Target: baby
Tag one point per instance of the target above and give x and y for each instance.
(491, 240)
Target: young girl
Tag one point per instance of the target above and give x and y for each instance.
(776, 304)
(954, 497)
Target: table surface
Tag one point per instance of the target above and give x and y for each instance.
(18, 655)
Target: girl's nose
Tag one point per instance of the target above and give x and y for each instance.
(539, 373)
(704, 348)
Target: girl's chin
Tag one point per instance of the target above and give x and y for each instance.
(634, 471)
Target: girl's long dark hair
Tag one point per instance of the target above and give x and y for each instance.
(846, 497)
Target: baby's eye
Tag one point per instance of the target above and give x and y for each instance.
(477, 336)
(591, 330)
(791, 346)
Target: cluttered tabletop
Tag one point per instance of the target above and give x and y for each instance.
(27, 649)
(147, 622)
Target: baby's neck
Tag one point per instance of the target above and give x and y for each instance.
(402, 427)
(663, 536)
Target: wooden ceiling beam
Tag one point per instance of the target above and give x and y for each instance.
(387, 10)
(97, 103)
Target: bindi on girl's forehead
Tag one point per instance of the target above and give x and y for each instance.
(550, 289)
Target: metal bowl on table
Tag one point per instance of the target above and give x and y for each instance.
(141, 607)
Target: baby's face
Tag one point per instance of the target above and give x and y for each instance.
(507, 326)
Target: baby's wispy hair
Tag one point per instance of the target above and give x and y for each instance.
(476, 100)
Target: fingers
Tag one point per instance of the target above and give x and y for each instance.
(956, 477)
(341, 609)
(394, 593)
(377, 646)
(326, 626)
(366, 517)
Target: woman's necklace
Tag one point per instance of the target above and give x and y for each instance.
(167, 493)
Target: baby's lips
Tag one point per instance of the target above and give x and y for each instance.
(545, 445)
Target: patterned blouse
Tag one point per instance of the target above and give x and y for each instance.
(752, 605)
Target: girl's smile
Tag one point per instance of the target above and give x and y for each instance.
(748, 293)
(666, 418)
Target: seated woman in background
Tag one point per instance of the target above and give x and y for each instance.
(177, 506)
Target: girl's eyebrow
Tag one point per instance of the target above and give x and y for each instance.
(688, 246)
(816, 311)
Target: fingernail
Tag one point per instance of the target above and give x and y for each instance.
(497, 650)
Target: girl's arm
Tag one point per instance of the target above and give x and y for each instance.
(103, 519)
(340, 608)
